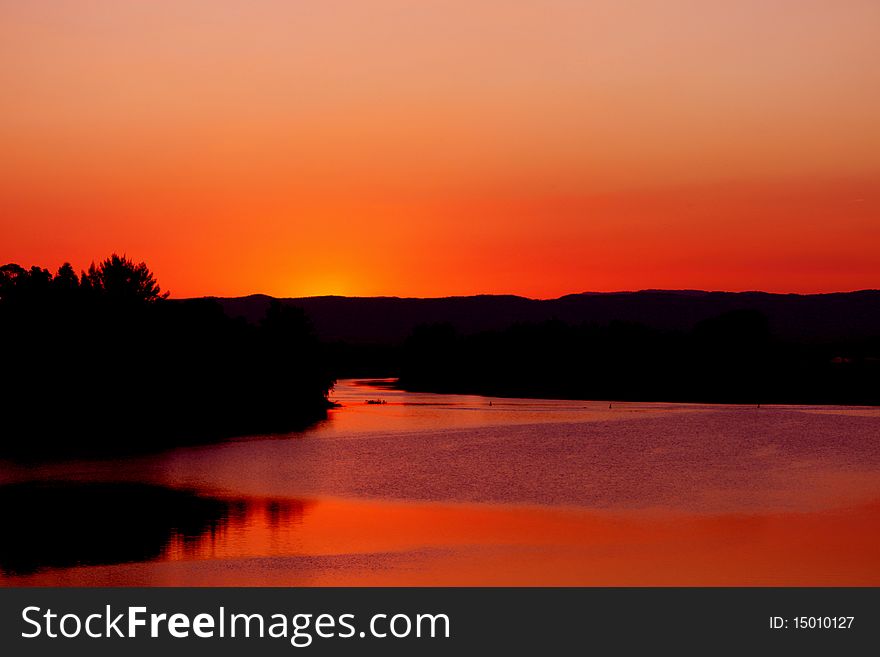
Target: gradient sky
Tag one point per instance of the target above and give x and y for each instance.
(432, 147)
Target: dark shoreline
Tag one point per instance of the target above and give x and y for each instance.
(734, 358)
(507, 394)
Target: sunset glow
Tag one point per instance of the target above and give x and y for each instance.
(445, 147)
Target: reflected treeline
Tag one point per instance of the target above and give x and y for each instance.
(103, 362)
(733, 358)
(68, 524)
(53, 525)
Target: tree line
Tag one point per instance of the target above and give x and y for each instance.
(105, 362)
(732, 358)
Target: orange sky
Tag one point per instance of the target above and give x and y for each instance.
(439, 147)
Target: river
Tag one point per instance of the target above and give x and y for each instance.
(428, 489)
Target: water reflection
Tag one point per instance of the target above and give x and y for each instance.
(70, 524)
(335, 542)
(59, 525)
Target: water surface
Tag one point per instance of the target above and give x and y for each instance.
(452, 489)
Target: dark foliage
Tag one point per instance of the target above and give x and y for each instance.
(732, 358)
(104, 362)
(359, 360)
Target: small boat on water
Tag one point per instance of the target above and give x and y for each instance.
(376, 402)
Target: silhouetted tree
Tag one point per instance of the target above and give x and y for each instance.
(65, 280)
(121, 279)
(12, 278)
(286, 323)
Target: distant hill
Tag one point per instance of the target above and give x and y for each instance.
(389, 320)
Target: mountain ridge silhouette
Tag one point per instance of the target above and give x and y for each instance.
(390, 319)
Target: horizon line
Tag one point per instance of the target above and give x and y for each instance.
(528, 298)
